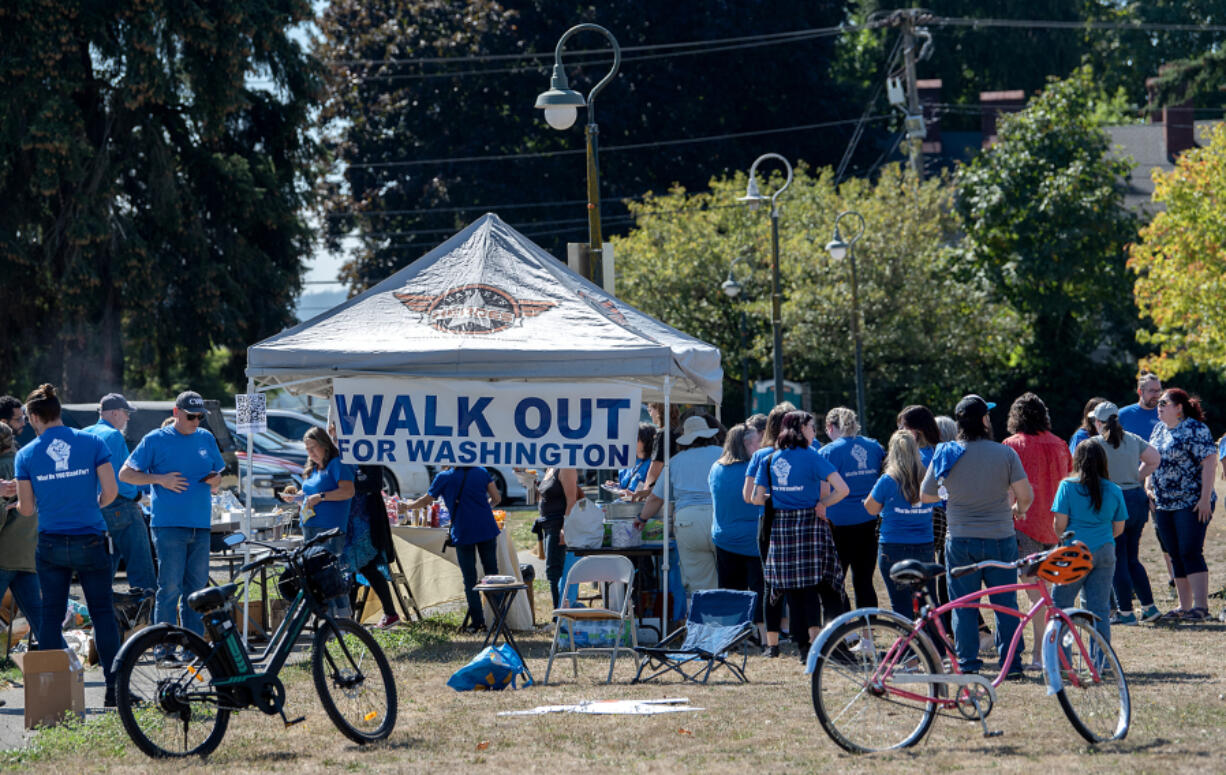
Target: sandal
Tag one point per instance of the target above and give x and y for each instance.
(1173, 616)
(1195, 615)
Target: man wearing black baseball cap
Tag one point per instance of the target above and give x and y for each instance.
(979, 486)
(124, 520)
(184, 465)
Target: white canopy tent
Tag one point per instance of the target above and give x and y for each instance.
(489, 304)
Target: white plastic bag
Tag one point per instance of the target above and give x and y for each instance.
(584, 525)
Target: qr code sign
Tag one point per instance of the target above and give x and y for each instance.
(251, 413)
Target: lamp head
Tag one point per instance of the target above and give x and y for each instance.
(753, 197)
(731, 287)
(836, 247)
(560, 102)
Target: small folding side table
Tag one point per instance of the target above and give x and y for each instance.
(500, 597)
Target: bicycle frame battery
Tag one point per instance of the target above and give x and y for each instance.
(219, 623)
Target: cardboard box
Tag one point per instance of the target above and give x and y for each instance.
(54, 684)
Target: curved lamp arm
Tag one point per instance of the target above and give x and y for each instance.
(753, 170)
(617, 60)
(852, 243)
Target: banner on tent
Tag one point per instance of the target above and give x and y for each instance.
(468, 422)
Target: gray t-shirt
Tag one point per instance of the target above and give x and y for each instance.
(1124, 460)
(978, 485)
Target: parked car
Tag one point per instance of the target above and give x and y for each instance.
(270, 447)
(404, 478)
(266, 477)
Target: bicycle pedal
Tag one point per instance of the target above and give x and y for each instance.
(993, 733)
(289, 723)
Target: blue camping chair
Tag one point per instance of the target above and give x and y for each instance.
(720, 620)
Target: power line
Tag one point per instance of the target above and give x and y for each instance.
(761, 39)
(614, 148)
(1048, 24)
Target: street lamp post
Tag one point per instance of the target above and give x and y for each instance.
(753, 198)
(733, 290)
(561, 104)
(837, 249)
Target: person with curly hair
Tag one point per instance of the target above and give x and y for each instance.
(1046, 461)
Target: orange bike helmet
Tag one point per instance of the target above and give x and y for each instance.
(1066, 564)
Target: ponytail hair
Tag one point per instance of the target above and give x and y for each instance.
(43, 403)
(1090, 465)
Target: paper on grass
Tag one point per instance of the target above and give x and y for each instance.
(612, 708)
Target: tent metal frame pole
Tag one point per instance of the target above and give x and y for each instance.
(246, 526)
(664, 609)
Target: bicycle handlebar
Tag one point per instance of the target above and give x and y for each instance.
(277, 553)
(968, 569)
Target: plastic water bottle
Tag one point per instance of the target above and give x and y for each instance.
(444, 516)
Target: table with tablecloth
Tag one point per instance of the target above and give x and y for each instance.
(433, 572)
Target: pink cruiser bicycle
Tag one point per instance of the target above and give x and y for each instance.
(879, 680)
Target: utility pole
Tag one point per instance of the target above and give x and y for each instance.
(909, 20)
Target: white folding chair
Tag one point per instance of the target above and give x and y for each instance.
(616, 575)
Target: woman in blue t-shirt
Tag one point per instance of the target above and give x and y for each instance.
(858, 461)
(802, 560)
(327, 487)
(734, 529)
(906, 523)
(1092, 506)
(67, 476)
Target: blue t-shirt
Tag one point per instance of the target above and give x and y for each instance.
(1079, 437)
(796, 477)
(118, 447)
(858, 461)
(472, 521)
(1221, 448)
(735, 526)
(755, 460)
(926, 454)
(687, 476)
(333, 513)
(901, 522)
(193, 456)
(61, 466)
(631, 478)
(1089, 526)
(1138, 420)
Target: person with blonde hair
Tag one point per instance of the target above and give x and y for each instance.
(858, 461)
(906, 522)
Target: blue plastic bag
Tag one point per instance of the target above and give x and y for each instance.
(493, 669)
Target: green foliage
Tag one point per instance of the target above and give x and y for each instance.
(384, 112)
(152, 195)
(1045, 222)
(103, 736)
(929, 329)
(1181, 264)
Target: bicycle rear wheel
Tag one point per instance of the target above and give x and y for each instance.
(863, 715)
(164, 694)
(354, 681)
(1094, 691)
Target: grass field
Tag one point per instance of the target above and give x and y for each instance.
(1177, 676)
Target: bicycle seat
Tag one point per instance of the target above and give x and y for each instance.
(915, 572)
(210, 598)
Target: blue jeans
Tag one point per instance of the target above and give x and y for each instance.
(1183, 536)
(467, 556)
(900, 596)
(29, 599)
(56, 558)
(183, 568)
(964, 551)
(1130, 574)
(126, 524)
(1095, 588)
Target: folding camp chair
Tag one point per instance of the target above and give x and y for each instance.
(616, 575)
(719, 621)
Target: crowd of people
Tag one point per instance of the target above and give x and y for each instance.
(766, 506)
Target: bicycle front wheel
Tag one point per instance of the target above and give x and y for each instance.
(164, 694)
(354, 681)
(855, 698)
(1094, 691)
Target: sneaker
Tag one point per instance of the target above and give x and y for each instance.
(772, 652)
(109, 701)
(387, 621)
(1016, 674)
(167, 660)
(1124, 617)
(1150, 614)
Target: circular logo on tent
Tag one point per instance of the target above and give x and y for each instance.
(472, 309)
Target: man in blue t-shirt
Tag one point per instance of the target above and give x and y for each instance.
(124, 519)
(1141, 417)
(184, 465)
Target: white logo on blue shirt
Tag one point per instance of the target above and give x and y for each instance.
(781, 469)
(59, 450)
(861, 456)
